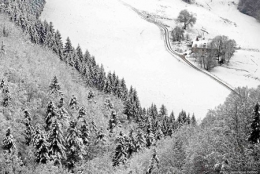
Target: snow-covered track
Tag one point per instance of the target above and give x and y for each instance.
(175, 54)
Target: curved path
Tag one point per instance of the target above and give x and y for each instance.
(174, 53)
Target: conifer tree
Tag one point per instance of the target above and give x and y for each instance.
(163, 111)
(113, 121)
(61, 102)
(154, 163)
(67, 51)
(188, 120)
(74, 146)
(84, 132)
(56, 148)
(41, 145)
(28, 128)
(55, 87)
(50, 114)
(2, 84)
(73, 102)
(58, 48)
(193, 120)
(50, 36)
(254, 136)
(9, 142)
(131, 144)
(140, 140)
(6, 96)
(123, 89)
(80, 53)
(150, 139)
(120, 155)
(82, 112)
(101, 78)
(91, 95)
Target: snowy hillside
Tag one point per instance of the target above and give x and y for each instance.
(134, 48)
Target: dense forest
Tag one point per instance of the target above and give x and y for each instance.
(60, 112)
(250, 7)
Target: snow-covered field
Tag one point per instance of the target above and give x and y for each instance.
(135, 50)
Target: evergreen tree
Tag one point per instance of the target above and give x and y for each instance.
(163, 112)
(73, 102)
(55, 87)
(182, 118)
(50, 36)
(84, 132)
(50, 114)
(150, 139)
(255, 126)
(123, 89)
(80, 54)
(41, 145)
(6, 96)
(73, 146)
(2, 84)
(56, 148)
(101, 78)
(193, 120)
(188, 120)
(120, 155)
(113, 121)
(67, 51)
(91, 95)
(9, 142)
(82, 112)
(58, 48)
(154, 163)
(28, 128)
(140, 140)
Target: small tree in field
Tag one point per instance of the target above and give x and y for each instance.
(187, 19)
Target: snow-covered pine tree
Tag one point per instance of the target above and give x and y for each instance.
(73, 102)
(50, 114)
(41, 146)
(56, 149)
(120, 155)
(113, 121)
(82, 112)
(140, 140)
(74, 146)
(9, 142)
(58, 49)
(255, 126)
(6, 96)
(154, 163)
(2, 84)
(84, 132)
(28, 128)
(55, 87)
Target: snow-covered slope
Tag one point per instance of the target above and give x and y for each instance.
(134, 48)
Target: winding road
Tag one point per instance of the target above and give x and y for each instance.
(178, 56)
